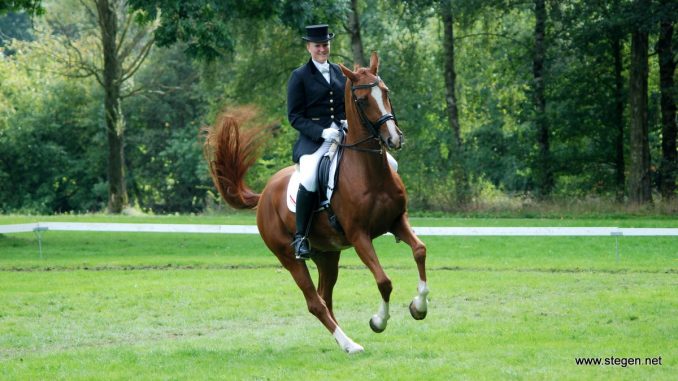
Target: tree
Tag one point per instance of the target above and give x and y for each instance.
(32, 7)
(587, 96)
(543, 169)
(51, 141)
(667, 67)
(122, 48)
(112, 79)
(166, 169)
(496, 89)
(14, 26)
(639, 176)
(204, 25)
(109, 46)
(615, 35)
(353, 29)
(462, 189)
(613, 30)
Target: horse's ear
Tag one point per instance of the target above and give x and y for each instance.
(348, 73)
(374, 63)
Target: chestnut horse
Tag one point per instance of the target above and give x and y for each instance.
(369, 200)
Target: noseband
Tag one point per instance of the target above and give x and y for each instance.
(373, 128)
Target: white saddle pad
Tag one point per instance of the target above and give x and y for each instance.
(293, 185)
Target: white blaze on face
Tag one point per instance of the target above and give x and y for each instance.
(392, 130)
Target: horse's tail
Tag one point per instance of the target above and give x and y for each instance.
(230, 151)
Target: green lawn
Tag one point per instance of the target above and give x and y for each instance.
(202, 306)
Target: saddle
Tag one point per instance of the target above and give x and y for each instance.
(328, 173)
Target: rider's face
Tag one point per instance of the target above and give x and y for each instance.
(320, 51)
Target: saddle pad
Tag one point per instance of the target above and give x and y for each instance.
(293, 186)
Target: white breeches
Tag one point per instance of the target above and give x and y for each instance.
(308, 166)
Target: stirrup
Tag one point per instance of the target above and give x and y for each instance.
(302, 249)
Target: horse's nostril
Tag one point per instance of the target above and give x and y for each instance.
(391, 144)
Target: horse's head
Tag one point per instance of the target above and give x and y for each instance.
(369, 95)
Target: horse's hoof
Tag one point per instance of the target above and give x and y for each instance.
(377, 327)
(355, 348)
(417, 315)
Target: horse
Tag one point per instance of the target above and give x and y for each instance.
(369, 200)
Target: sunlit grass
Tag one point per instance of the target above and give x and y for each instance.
(204, 306)
(252, 323)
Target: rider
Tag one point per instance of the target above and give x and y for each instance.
(315, 107)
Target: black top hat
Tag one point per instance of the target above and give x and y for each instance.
(317, 33)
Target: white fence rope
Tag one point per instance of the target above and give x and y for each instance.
(423, 231)
(39, 227)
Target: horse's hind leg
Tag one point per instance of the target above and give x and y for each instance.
(316, 304)
(328, 272)
(270, 219)
(403, 231)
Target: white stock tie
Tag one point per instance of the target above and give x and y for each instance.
(325, 71)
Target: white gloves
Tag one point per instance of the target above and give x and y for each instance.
(331, 134)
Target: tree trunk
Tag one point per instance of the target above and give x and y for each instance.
(354, 30)
(619, 118)
(115, 123)
(639, 172)
(462, 189)
(667, 68)
(544, 171)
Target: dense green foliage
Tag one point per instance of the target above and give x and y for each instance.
(30, 6)
(216, 55)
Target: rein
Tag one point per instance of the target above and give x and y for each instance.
(373, 128)
(355, 147)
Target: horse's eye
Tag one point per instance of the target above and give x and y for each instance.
(362, 101)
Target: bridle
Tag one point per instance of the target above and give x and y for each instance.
(372, 127)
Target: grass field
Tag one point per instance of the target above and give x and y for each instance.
(191, 306)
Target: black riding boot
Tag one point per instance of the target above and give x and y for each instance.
(305, 205)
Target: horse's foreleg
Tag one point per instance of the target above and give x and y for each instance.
(403, 230)
(316, 305)
(365, 249)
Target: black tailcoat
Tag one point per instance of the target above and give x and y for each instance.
(313, 104)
